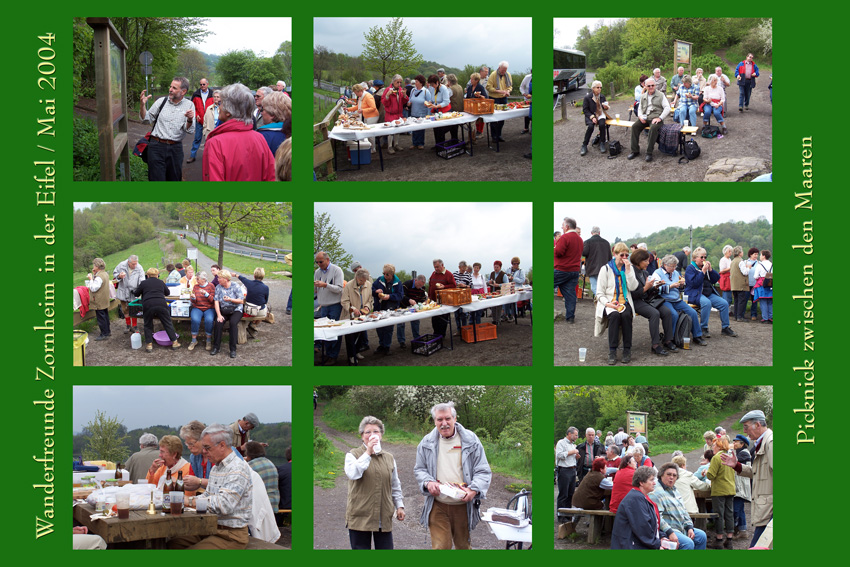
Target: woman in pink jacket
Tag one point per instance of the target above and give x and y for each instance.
(234, 150)
(394, 99)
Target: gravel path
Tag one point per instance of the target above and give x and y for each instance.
(579, 541)
(329, 531)
(272, 347)
(750, 135)
(753, 337)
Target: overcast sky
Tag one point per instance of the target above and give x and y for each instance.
(456, 42)
(628, 219)
(569, 28)
(143, 406)
(411, 235)
(261, 35)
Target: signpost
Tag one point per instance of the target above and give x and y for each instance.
(146, 58)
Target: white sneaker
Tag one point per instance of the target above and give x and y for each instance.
(359, 356)
(390, 151)
(398, 148)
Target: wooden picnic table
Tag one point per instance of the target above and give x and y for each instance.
(152, 529)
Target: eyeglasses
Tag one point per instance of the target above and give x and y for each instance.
(702, 257)
(256, 96)
(624, 255)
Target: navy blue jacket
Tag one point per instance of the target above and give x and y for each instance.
(258, 292)
(635, 525)
(393, 289)
(697, 284)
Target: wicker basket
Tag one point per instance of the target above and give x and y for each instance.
(456, 296)
(478, 105)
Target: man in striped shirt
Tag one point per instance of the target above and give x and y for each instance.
(463, 278)
(174, 117)
(228, 490)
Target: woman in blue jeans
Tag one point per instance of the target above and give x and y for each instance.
(669, 290)
(419, 95)
(202, 298)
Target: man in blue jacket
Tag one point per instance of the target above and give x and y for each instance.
(699, 278)
(387, 294)
(746, 73)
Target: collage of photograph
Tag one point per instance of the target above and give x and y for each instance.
(662, 297)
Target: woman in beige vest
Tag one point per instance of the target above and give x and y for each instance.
(374, 490)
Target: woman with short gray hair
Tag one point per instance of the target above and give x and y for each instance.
(637, 523)
(594, 108)
(276, 119)
(374, 490)
(234, 151)
(670, 289)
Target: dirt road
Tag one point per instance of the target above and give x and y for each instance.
(329, 531)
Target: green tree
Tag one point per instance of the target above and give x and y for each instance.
(390, 50)
(255, 219)
(236, 67)
(284, 56)
(193, 66)
(106, 439)
(322, 57)
(326, 238)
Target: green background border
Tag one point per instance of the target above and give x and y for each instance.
(803, 30)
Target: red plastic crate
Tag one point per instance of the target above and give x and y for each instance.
(484, 331)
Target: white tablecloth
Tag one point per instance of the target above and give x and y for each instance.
(500, 115)
(496, 301)
(347, 134)
(333, 333)
(101, 475)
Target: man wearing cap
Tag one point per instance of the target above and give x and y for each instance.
(240, 429)
(760, 471)
(442, 74)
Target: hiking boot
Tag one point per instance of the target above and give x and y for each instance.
(632, 155)
(700, 341)
(175, 345)
(648, 157)
(659, 350)
(612, 357)
(627, 355)
(603, 147)
(208, 345)
(727, 543)
(705, 333)
(743, 535)
(584, 153)
(728, 332)
(193, 344)
(715, 544)
(671, 346)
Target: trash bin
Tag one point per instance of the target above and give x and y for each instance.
(81, 338)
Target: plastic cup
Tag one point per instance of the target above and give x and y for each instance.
(684, 123)
(687, 343)
(617, 116)
(201, 505)
(176, 499)
(122, 501)
(582, 354)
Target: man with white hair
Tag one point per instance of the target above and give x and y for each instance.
(683, 256)
(677, 79)
(280, 86)
(228, 491)
(760, 471)
(442, 74)
(171, 122)
(328, 280)
(587, 451)
(498, 88)
(653, 108)
(258, 101)
(139, 463)
(660, 81)
(597, 253)
(568, 251)
(699, 280)
(594, 108)
(442, 278)
(455, 456)
(722, 79)
(240, 430)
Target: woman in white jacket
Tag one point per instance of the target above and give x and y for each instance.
(614, 304)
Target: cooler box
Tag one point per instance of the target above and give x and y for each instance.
(80, 340)
(364, 156)
(180, 308)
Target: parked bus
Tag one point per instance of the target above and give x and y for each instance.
(569, 70)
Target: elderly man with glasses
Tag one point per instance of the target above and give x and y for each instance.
(652, 110)
(699, 277)
(202, 99)
(229, 491)
(328, 280)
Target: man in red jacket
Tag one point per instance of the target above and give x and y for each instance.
(568, 250)
(202, 99)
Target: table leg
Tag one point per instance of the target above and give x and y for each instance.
(471, 125)
(348, 350)
(380, 152)
(474, 331)
(451, 333)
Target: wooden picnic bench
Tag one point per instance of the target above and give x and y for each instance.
(598, 520)
(150, 531)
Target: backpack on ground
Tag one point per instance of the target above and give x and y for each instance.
(682, 330)
(614, 148)
(710, 131)
(690, 150)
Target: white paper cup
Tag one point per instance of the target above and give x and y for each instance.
(582, 354)
(684, 123)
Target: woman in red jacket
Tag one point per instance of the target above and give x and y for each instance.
(622, 481)
(234, 150)
(394, 99)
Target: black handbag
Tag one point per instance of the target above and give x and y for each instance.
(141, 147)
(226, 308)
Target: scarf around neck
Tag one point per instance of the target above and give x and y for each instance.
(621, 280)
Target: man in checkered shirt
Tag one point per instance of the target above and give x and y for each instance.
(228, 490)
(175, 117)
